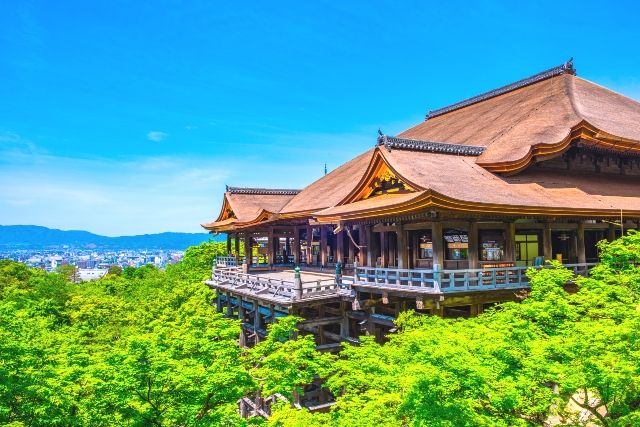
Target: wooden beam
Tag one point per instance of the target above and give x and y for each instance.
(438, 244)
(473, 244)
(546, 241)
(510, 244)
(340, 247)
(582, 253)
(403, 247)
(323, 246)
(384, 249)
(371, 246)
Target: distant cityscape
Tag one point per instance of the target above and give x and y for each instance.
(91, 254)
(92, 264)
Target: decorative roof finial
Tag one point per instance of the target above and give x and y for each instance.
(325, 168)
(568, 66)
(380, 132)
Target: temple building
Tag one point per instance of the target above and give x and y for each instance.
(443, 218)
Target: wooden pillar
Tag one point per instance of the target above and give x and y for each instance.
(510, 244)
(384, 250)
(218, 302)
(582, 253)
(438, 244)
(473, 244)
(241, 311)
(270, 246)
(323, 246)
(247, 249)
(257, 319)
(344, 324)
(352, 250)
(236, 241)
(309, 241)
(287, 247)
(362, 242)
(371, 246)
(321, 339)
(296, 246)
(228, 244)
(229, 306)
(546, 241)
(403, 251)
(611, 235)
(340, 247)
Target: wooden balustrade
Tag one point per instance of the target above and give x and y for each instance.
(447, 281)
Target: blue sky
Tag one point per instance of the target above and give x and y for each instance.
(127, 118)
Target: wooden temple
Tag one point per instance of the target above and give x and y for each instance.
(443, 218)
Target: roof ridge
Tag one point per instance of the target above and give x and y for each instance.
(429, 146)
(263, 191)
(566, 68)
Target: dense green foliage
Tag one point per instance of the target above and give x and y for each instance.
(145, 347)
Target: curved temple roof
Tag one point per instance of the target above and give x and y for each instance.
(451, 160)
(514, 125)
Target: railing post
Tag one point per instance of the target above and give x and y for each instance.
(437, 275)
(338, 273)
(297, 284)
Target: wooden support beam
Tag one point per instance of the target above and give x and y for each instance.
(296, 246)
(510, 244)
(403, 247)
(438, 244)
(384, 249)
(352, 250)
(611, 235)
(248, 258)
(309, 245)
(340, 247)
(324, 250)
(236, 241)
(270, 246)
(229, 306)
(473, 244)
(228, 243)
(371, 246)
(546, 242)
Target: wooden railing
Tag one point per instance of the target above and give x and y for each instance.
(263, 284)
(228, 261)
(445, 281)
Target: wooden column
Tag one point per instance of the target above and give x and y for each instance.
(247, 249)
(340, 247)
(438, 244)
(473, 244)
(510, 244)
(582, 253)
(296, 246)
(323, 245)
(287, 247)
(236, 242)
(611, 235)
(352, 249)
(309, 241)
(403, 251)
(362, 242)
(384, 250)
(270, 246)
(229, 306)
(228, 244)
(546, 241)
(371, 246)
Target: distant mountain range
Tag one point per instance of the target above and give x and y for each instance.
(37, 237)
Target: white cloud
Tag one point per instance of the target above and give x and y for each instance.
(156, 136)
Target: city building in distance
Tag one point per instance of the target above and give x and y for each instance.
(443, 218)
